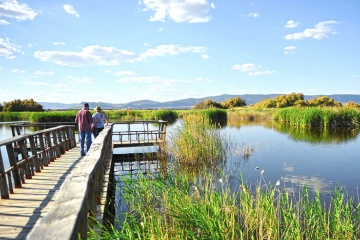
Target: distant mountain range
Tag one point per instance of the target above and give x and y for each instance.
(189, 102)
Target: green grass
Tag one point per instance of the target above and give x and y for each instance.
(183, 207)
(14, 116)
(319, 116)
(196, 142)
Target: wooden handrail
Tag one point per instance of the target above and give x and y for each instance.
(144, 135)
(79, 195)
(29, 153)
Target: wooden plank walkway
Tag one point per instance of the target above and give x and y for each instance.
(30, 203)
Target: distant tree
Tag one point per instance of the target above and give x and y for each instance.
(266, 103)
(352, 104)
(27, 105)
(290, 100)
(208, 103)
(233, 102)
(281, 101)
(1, 107)
(323, 101)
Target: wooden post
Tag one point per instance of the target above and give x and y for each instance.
(50, 147)
(15, 172)
(3, 183)
(35, 158)
(24, 156)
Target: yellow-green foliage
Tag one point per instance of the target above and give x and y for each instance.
(233, 103)
(196, 142)
(53, 116)
(14, 116)
(206, 104)
(131, 115)
(184, 207)
(27, 105)
(319, 116)
(296, 100)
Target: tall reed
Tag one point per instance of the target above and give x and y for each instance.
(184, 207)
(319, 116)
(196, 142)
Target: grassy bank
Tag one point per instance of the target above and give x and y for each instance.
(319, 116)
(200, 204)
(14, 116)
(180, 207)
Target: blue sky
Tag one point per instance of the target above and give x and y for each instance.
(164, 50)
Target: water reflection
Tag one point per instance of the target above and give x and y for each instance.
(312, 135)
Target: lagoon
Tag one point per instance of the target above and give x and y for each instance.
(296, 157)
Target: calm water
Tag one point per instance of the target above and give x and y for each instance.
(318, 159)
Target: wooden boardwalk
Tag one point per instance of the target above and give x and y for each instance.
(30, 203)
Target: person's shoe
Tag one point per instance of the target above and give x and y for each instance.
(83, 154)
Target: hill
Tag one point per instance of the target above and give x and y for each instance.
(189, 102)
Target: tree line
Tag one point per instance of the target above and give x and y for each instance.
(281, 101)
(17, 105)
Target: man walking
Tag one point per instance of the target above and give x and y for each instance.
(84, 120)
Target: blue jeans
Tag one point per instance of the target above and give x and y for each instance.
(85, 136)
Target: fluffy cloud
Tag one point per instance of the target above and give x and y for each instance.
(291, 24)
(320, 31)
(172, 49)
(70, 10)
(254, 14)
(251, 69)
(8, 49)
(4, 22)
(191, 11)
(18, 11)
(289, 49)
(110, 56)
(92, 55)
(151, 80)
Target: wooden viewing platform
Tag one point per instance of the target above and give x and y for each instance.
(48, 191)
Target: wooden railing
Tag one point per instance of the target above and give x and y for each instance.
(136, 132)
(80, 194)
(29, 153)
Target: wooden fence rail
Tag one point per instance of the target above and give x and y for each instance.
(137, 132)
(29, 153)
(80, 194)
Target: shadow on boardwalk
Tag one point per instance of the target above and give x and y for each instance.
(30, 203)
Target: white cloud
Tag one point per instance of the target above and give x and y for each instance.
(254, 14)
(202, 79)
(8, 49)
(289, 50)
(291, 24)
(44, 73)
(18, 11)
(205, 56)
(151, 80)
(251, 69)
(59, 43)
(70, 10)
(125, 73)
(171, 49)
(258, 73)
(91, 55)
(4, 22)
(18, 71)
(190, 11)
(247, 67)
(110, 56)
(34, 83)
(320, 31)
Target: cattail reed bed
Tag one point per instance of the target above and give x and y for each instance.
(319, 116)
(184, 207)
(204, 204)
